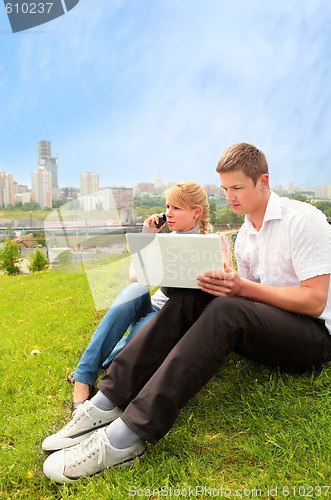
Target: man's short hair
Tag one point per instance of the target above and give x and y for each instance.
(243, 157)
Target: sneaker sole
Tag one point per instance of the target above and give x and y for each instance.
(61, 478)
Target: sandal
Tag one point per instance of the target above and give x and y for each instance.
(70, 378)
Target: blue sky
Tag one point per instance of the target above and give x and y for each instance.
(129, 87)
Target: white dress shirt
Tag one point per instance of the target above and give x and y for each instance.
(293, 244)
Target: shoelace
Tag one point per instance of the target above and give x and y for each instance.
(85, 450)
(82, 410)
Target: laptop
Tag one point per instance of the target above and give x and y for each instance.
(174, 260)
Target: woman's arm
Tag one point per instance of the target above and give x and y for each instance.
(132, 273)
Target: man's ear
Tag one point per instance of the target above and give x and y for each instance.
(264, 181)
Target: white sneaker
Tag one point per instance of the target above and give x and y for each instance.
(85, 421)
(88, 458)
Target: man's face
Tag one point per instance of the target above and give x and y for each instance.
(241, 193)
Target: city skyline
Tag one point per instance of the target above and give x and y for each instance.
(89, 181)
(155, 181)
(44, 191)
(129, 88)
(158, 180)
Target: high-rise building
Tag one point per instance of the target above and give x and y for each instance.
(42, 187)
(44, 150)
(49, 162)
(323, 192)
(123, 197)
(212, 189)
(144, 187)
(116, 203)
(69, 192)
(21, 193)
(89, 183)
(7, 191)
(20, 188)
(123, 201)
(158, 183)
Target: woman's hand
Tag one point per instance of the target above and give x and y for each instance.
(149, 223)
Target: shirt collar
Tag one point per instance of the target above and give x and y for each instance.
(274, 208)
(273, 211)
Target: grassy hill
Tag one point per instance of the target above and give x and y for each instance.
(251, 432)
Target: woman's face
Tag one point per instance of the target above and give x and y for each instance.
(180, 219)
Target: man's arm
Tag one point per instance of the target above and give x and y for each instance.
(309, 298)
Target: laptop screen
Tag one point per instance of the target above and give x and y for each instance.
(174, 260)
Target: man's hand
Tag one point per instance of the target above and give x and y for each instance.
(222, 283)
(219, 283)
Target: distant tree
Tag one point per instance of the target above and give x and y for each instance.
(148, 201)
(301, 197)
(9, 258)
(325, 206)
(31, 205)
(212, 211)
(59, 203)
(64, 258)
(225, 215)
(38, 261)
(144, 212)
(40, 238)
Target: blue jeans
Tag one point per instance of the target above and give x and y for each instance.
(132, 309)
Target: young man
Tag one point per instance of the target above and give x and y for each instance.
(275, 309)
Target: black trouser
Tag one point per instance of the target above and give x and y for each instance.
(184, 345)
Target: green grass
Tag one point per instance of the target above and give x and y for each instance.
(23, 214)
(249, 428)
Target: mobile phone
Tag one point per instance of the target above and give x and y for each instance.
(161, 221)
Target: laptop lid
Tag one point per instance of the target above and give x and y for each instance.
(174, 260)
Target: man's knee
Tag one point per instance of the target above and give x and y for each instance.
(225, 305)
(228, 314)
